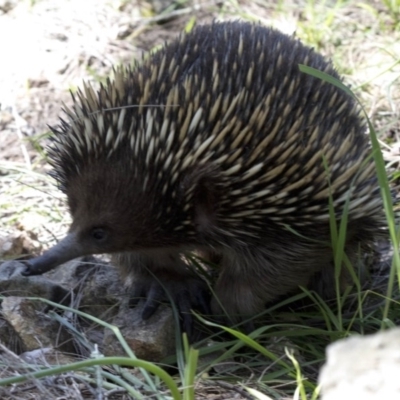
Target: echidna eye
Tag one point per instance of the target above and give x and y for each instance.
(98, 234)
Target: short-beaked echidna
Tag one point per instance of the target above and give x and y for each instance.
(216, 143)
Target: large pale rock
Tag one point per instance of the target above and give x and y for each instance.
(366, 368)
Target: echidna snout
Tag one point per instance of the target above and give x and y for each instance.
(217, 143)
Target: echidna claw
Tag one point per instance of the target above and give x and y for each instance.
(187, 295)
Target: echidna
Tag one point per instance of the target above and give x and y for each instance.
(216, 143)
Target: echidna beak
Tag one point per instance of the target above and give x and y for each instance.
(65, 250)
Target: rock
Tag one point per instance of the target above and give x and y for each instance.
(9, 338)
(7, 5)
(12, 283)
(151, 340)
(364, 368)
(92, 286)
(95, 282)
(18, 243)
(33, 327)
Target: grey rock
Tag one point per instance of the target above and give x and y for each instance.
(12, 283)
(92, 286)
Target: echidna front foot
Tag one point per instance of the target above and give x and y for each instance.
(162, 277)
(185, 292)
